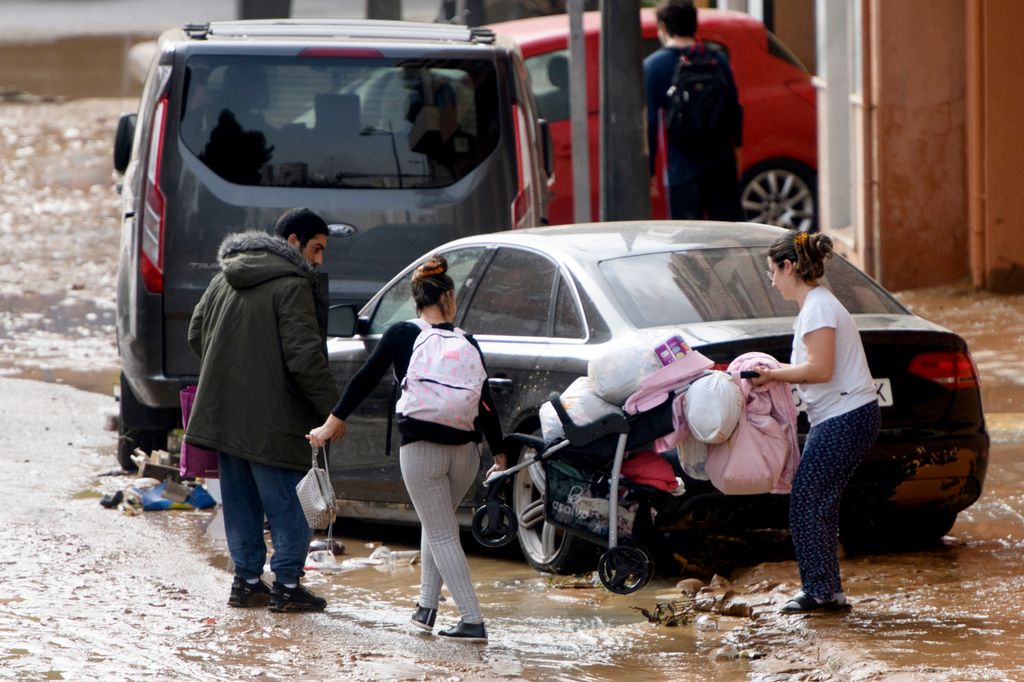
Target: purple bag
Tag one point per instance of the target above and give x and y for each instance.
(195, 461)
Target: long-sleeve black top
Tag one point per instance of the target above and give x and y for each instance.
(395, 350)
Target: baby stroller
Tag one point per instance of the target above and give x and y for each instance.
(585, 493)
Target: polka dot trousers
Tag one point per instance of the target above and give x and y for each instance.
(832, 451)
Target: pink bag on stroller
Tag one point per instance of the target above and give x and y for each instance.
(195, 461)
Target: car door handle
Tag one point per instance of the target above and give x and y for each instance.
(500, 384)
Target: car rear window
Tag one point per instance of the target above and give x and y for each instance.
(708, 285)
(340, 121)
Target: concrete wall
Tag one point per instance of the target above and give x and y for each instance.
(996, 175)
(918, 66)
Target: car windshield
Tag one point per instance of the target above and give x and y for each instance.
(340, 121)
(706, 285)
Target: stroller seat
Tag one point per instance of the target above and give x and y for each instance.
(598, 440)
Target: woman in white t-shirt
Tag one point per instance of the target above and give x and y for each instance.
(831, 375)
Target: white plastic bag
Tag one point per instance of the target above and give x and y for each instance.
(581, 402)
(618, 371)
(693, 456)
(714, 405)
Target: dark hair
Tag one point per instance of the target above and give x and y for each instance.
(301, 222)
(807, 252)
(430, 281)
(679, 17)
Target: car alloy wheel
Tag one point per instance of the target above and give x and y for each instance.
(780, 194)
(545, 547)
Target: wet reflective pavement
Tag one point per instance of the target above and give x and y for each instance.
(90, 593)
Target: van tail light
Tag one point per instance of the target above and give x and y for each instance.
(151, 235)
(953, 370)
(521, 202)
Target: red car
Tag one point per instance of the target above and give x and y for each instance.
(780, 151)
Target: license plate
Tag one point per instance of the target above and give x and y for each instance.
(883, 390)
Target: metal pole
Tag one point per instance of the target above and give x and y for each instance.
(578, 114)
(624, 174)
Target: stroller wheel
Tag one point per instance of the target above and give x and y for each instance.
(624, 569)
(494, 530)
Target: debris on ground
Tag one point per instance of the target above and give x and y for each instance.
(573, 582)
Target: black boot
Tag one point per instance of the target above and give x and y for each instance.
(466, 632)
(424, 618)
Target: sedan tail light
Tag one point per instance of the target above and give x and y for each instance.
(151, 241)
(953, 370)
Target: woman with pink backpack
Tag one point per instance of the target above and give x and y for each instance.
(444, 405)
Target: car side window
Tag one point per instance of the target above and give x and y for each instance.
(396, 304)
(514, 296)
(568, 319)
(549, 79)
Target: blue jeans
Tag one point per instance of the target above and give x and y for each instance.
(248, 492)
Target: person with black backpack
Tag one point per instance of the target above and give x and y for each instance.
(444, 405)
(691, 93)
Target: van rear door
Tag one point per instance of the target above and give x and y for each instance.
(399, 152)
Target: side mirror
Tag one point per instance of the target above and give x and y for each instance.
(123, 142)
(342, 320)
(546, 147)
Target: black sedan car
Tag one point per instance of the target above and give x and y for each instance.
(543, 302)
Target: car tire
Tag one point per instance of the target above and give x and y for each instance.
(903, 530)
(780, 192)
(546, 548)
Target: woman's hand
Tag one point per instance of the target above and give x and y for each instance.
(764, 375)
(333, 429)
(500, 464)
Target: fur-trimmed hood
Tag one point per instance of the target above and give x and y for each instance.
(251, 258)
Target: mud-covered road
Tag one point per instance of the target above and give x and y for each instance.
(90, 593)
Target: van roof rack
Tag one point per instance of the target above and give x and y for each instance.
(340, 28)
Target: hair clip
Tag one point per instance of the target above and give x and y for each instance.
(801, 238)
(430, 272)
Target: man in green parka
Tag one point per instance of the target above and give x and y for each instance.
(263, 384)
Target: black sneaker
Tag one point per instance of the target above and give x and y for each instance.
(246, 595)
(424, 618)
(284, 599)
(466, 632)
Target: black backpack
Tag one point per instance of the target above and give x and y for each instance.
(698, 102)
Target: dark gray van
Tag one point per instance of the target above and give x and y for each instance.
(402, 135)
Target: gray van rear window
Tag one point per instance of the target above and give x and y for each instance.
(340, 121)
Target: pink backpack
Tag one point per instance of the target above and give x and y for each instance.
(445, 378)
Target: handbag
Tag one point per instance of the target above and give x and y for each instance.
(316, 494)
(195, 462)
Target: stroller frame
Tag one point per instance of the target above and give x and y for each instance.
(622, 569)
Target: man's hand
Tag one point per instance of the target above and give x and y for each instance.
(333, 429)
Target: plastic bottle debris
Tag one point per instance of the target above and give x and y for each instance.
(385, 554)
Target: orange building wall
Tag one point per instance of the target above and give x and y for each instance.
(919, 72)
(996, 158)
(794, 25)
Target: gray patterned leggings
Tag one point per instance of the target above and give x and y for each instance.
(437, 478)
